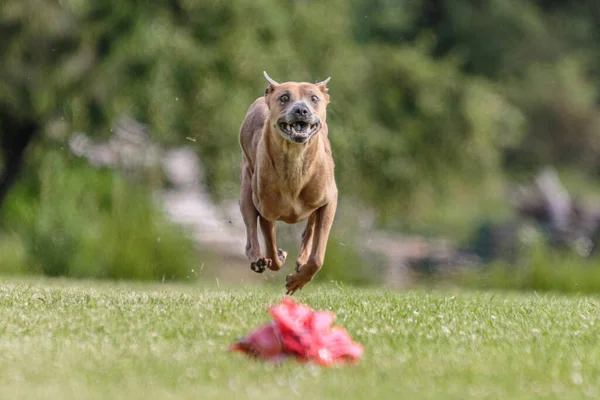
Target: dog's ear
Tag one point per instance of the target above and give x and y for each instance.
(323, 87)
(272, 83)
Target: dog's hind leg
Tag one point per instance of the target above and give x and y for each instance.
(258, 263)
(307, 240)
(277, 255)
(306, 272)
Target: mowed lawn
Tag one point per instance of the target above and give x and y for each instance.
(78, 340)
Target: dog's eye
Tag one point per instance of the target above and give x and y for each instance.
(285, 98)
(314, 98)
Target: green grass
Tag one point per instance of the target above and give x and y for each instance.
(65, 340)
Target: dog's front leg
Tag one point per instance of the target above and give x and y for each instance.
(307, 241)
(306, 272)
(277, 256)
(250, 215)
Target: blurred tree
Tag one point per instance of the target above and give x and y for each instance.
(423, 93)
(16, 135)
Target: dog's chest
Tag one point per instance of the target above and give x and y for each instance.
(281, 199)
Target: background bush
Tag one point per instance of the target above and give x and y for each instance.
(436, 106)
(540, 268)
(72, 220)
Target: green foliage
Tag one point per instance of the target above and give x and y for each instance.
(344, 264)
(539, 268)
(72, 220)
(436, 104)
(191, 69)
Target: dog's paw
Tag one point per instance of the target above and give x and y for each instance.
(304, 274)
(277, 262)
(282, 255)
(261, 264)
(295, 282)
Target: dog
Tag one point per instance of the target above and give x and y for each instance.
(288, 175)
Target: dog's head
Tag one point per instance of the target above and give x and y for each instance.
(297, 110)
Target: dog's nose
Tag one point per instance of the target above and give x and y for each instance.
(301, 110)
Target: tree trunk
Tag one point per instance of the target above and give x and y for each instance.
(15, 135)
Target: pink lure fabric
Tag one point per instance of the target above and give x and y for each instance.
(300, 332)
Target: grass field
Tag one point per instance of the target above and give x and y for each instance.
(78, 340)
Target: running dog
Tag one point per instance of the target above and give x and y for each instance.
(288, 175)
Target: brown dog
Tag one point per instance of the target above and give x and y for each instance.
(287, 175)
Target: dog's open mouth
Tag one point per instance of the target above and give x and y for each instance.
(298, 131)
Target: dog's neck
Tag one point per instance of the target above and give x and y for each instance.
(293, 161)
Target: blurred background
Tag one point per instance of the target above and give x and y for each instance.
(466, 136)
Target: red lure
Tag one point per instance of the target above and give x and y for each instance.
(300, 332)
